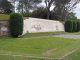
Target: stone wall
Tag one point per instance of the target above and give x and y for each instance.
(4, 28)
(33, 25)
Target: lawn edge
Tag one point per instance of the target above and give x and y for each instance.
(42, 57)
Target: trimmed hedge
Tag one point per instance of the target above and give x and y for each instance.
(69, 26)
(78, 26)
(74, 26)
(16, 24)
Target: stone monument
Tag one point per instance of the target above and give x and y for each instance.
(4, 27)
(33, 25)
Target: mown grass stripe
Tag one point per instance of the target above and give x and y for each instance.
(41, 57)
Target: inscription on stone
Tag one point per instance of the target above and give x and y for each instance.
(4, 27)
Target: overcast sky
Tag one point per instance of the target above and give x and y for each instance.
(77, 11)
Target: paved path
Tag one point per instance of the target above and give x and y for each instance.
(62, 35)
(37, 37)
(68, 36)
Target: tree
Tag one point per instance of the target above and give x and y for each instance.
(62, 7)
(48, 5)
(26, 5)
(41, 12)
(5, 7)
(71, 16)
(14, 3)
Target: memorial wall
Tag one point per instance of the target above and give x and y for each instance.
(4, 28)
(33, 25)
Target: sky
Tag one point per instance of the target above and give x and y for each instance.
(77, 11)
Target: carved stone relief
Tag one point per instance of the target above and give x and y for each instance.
(37, 27)
(4, 28)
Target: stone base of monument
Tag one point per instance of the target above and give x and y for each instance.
(33, 25)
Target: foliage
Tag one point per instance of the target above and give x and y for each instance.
(48, 4)
(60, 18)
(42, 13)
(16, 24)
(78, 26)
(71, 16)
(74, 26)
(7, 17)
(14, 3)
(62, 7)
(69, 26)
(27, 14)
(5, 7)
(26, 5)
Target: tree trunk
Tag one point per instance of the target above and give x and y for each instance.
(22, 6)
(48, 13)
(65, 17)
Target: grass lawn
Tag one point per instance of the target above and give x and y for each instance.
(42, 34)
(63, 22)
(73, 56)
(76, 33)
(4, 57)
(6, 17)
(5, 37)
(55, 47)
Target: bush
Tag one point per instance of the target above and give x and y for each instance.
(69, 26)
(78, 26)
(16, 24)
(74, 26)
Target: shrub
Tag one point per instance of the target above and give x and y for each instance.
(16, 24)
(78, 26)
(69, 26)
(74, 26)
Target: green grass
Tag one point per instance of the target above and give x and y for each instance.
(76, 33)
(5, 37)
(4, 57)
(6, 17)
(73, 56)
(36, 47)
(42, 34)
(63, 22)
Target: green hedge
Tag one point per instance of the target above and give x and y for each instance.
(78, 26)
(69, 26)
(74, 26)
(16, 24)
